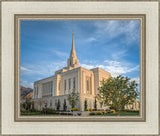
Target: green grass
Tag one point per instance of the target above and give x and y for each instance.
(40, 114)
(124, 113)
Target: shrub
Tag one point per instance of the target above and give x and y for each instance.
(48, 111)
(89, 109)
(74, 109)
(92, 113)
(127, 110)
(112, 111)
(103, 112)
(100, 109)
(97, 113)
(24, 111)
(32, 110)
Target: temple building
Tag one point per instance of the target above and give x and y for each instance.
(47, 92)
(50, 91)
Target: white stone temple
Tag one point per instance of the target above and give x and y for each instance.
(73, 77)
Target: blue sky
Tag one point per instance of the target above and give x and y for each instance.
(110, 45)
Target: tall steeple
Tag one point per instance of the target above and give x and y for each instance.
(73, 52)
(73, 61)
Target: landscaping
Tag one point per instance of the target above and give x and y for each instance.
(113, 113)
(45, 112)
(75, 111)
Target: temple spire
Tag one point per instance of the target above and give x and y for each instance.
(73, 52)
(73, 61)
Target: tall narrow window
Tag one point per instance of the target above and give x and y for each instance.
(70, 63)
(59, 85)
(65, 85)
(87, 85)
(37, 91)
(69, 83)
(51, 87)
(74, 83)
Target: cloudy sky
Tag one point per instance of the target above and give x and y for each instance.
(110, 45)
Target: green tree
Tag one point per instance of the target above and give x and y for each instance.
(95, 103)
(27, 104)
(117, 92)
(73, 98)
(85, 104)
(58, 105)
(32, 105)
(64, 105)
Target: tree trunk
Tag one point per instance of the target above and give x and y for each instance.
(118, 113)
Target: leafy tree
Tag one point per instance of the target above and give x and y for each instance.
(32, 105)
(58, 104)
(85, 104)
(95, 103)
(27, 104)
(117, 92)
(64, 105)
(73, 98)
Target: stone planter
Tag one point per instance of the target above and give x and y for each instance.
(85, 113)
(76, 113)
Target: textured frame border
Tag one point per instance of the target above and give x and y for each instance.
(141, 18)
(86, 1)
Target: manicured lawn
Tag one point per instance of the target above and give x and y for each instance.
(40, 114)
(123, 113)
(34, 113)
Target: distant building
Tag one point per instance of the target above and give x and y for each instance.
(48, 91)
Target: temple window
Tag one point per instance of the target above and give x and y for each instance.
(87, 85)
(59, 85)
(47, 89)
(69, 83)
(74, 83)
(65, 85)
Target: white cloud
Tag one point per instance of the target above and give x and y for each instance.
(118, 54)
(25, 70)
(91, 39)
(113, 29)
(87, 66)
(27, 84)
(45, 69)
(117, 68)
(114, 67)
(60, 54)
